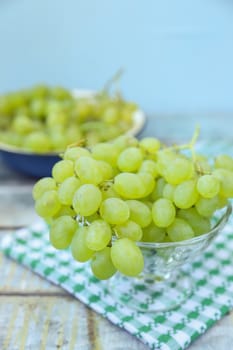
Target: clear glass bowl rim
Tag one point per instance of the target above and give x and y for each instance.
(217, 227)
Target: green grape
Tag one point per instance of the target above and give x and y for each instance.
(79, 249)
(178, 170)
(180, 230)
(226, 182)
(65, 210)
(150, 144)
(101, 264)
(61, 231)
(73, 134)
(107, 152)
(168, 191)
(129, 229)
(198, 223)
(43, 185)
(22, 124)
(208, 186)
(88, 170)
(111, 115)
(149, 166)
(38, 108)
(74, 153)
(56, 119)
(38, 142)
(106, 170)
(148, 183)
(122, 142)
(224, 161)
(185, 194)
(130, 159)
(129, 185)
(207, 206)
(163, 212)
(98, 235)
(158, 190)
(62, 170)
(115, 211)
(164, 158)
(139, 213)
(48, 204)
(87, 200)
(67, 189)
(58, 139)
(153, 233)
(108, 191)
(127, 257)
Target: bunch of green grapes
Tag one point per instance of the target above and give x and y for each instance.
(104, 199)
(45, 119)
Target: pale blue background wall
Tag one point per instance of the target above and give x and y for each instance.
(177, 54)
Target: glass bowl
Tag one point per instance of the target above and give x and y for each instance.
(164, 281)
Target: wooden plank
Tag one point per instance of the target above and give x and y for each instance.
(16, 206)
(18, 279)
(58, 323)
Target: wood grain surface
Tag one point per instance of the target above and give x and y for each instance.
(36, 315)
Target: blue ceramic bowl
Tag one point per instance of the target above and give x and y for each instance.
(36, 165)
(40, 165)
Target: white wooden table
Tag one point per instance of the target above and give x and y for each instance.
(36, 315)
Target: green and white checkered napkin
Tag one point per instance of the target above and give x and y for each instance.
(212, 298)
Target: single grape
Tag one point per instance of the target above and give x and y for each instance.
(198, 223)
(98, 235)
(150, 144)
(101, 264)
(129, 229)
(158, 190)
(224, 161)
(74, 153)
(87, 200)
(149, 166)
(208, 186)
(178, 170)
(207, 206)
(106, 170)
(62, 170)
(43, 185)
(180, 230)
(127, 257)
(115, 211)
(129, 186)
(226, 182)
(163, 212)
(168, 191)
(148, 183)
(61, 231)
(139, 213)
(130, 159)
(185, 194)
(48, 204)
(67, 189)
(88, 170)
(79, 249)
(38, 142)
(107, 152)
(153, 233)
